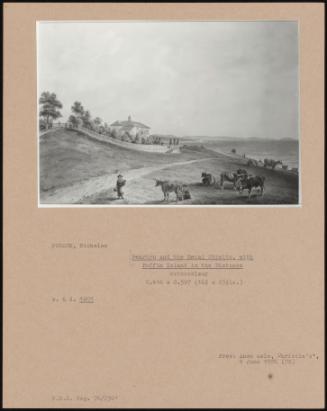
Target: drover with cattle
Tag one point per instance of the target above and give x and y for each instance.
(181, 190)
(198, 128)
(224, 180)
(232, 177)
(240, 180)
(249, 183)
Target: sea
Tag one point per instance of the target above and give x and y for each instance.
(285, 150)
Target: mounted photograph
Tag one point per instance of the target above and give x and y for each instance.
(146, 113)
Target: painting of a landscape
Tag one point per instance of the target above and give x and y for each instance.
(168, 114)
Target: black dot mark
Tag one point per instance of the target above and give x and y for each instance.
(270, 376)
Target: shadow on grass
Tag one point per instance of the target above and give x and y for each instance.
(102, 200)
(170, 202)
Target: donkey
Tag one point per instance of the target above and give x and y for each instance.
(208, 179)
(167, 187)
(231, 177)
(249, 183)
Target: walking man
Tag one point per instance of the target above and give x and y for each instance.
(119, 185)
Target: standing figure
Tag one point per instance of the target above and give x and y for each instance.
(119, 185)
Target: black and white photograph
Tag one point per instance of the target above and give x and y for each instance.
(168, 113)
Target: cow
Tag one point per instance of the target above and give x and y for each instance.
(181, 190)
(249, 183)
(208, 179)
(271, 163)
(232, 177)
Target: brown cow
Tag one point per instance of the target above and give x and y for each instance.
(249, 183)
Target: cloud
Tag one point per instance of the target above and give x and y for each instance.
(209, 78)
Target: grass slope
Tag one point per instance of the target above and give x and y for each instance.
(68, 158)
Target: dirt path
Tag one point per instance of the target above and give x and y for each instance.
(75, 192)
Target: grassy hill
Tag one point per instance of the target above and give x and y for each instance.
(77, 169)
(68, 157)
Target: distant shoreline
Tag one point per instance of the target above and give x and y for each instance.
(243, 161)
(286, 151)
(203, 139)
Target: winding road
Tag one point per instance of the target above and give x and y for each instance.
(77, 191)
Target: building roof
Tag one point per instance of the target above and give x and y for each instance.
(129, 124)
(126, 128)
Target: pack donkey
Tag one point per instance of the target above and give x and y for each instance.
(208, 179)
(181, 190)
(249, 183)
(232, 177)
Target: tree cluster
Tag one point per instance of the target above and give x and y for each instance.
(49, 109)
(80, 117)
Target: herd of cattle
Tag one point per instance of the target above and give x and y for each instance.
(240, 179)
(267, 162)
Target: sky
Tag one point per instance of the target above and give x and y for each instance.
(237, 79)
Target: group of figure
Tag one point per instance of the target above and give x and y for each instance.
(240, 179)
(181, 190)
(267, 162)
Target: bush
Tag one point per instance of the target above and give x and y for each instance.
(126, 137)
(42, 124)
(75, 121)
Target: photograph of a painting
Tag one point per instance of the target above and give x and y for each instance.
(168, 113)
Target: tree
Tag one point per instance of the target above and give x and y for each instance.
(97, 121)
(127, 137)
(233, 150)
(106, 128)
(97, 124)
(42, 125)
(49, 107)
(86, 118)
(75, 121)
(114, 133)
(78, 109)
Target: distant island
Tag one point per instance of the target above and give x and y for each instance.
(230, 138)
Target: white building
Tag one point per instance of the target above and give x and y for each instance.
(133, 128)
